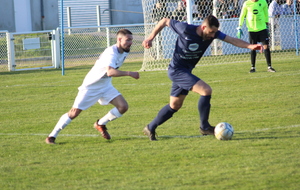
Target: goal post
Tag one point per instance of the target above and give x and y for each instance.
(193, 12)
(190, 11)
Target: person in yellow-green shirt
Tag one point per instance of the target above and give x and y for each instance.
(256, 14)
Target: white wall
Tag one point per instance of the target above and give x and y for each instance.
(22, 15)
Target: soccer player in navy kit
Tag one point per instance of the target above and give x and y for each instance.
(191, 43)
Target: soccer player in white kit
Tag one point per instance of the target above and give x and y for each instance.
(97, 87)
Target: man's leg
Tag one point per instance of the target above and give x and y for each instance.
(253, 40)
(163, 115)
(82, 101)
(267, 55)
(204, 106)
(204, 110)
(120, 108)
(62, 123)
(253, 59)
(268, 59)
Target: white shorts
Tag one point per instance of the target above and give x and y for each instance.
(87, 98)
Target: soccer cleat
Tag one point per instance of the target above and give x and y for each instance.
(209, 131)
(270, 69)
(252, 71)
(50, 140)
(150, 134)
(102, 129)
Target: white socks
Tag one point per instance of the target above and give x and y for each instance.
(110, 116)
(65, 120)
(61, 124)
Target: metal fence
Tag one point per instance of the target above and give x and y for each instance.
(29, 50)
(3, 51)
(83, 45)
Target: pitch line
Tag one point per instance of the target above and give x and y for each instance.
(141, 136)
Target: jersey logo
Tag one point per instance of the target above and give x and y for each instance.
(193, 47)
(255, 11)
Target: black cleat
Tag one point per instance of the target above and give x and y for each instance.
(150, 134)
(209, 131)
(50, 140)
(271, 70)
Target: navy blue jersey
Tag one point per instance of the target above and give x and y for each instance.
(189, 47)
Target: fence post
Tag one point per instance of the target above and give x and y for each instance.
(272, 33)
(55, 48)
(108, 36)
(69, 19)
(98, 17)
(10, 52)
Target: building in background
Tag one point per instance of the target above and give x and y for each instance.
(37, 15)
(28, 15)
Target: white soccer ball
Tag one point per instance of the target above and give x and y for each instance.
(224, 131)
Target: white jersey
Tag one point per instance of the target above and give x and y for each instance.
(97, 79)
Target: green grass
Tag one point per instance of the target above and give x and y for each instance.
(262, 107)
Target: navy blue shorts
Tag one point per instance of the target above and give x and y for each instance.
(182, 81)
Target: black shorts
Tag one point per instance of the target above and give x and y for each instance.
(261, 36)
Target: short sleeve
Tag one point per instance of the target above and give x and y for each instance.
(178, 27)
(220, 35)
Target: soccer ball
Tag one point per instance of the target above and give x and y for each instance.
(224, 131)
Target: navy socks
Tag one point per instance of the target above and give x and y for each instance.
(204, 109)
(167, 112)
(163, 115)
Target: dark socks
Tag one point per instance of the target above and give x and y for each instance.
(204, 109)
(253, 57)
(163, 115)
(268, 56)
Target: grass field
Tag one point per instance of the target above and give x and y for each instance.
(262, 107)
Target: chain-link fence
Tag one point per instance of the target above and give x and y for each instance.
(3, 51)
(82, 46)
(284, 30)
(26, 50)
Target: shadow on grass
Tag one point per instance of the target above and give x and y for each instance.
(263, 135)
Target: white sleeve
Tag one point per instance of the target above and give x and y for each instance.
(108, 58)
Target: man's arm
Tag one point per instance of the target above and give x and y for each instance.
(112, 72)
(147, 43)
(266, 13)
(242, 44)
(242, 15)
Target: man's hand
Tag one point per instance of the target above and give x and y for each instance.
(239, 33)
(135, 75)
(256, 47)
(147, 43)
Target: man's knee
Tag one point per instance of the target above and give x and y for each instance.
(74, 112)
(207, 91)
(123, 108)
(175, 105)
(202, 88)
